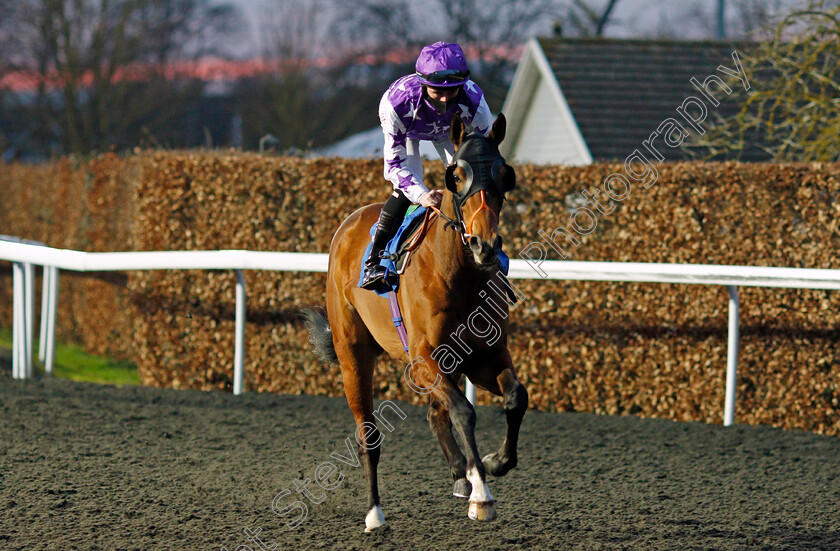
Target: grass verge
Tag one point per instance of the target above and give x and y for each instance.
(71, 362)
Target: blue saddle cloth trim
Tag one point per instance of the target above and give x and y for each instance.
(504, 261)
(391, 248)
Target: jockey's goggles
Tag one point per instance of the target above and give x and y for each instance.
(447, 76)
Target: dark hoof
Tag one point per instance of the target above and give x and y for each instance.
(462, 488)
(494, 465)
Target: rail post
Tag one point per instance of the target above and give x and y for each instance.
(731, 358)
(45, 306)
(49, 306)
(28, 313)
(239, 350)
(23, 276)
(17, 321)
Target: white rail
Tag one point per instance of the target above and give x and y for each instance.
(24, 256)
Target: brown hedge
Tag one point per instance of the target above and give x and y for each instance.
(616, 348)
(80, 204)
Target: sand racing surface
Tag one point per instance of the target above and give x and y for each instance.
(86, 466)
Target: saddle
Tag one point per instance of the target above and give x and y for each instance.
(407, 239)
(397, 252)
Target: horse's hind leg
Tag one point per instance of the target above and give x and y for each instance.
(442, 429)
(516, 402)
(355, 350)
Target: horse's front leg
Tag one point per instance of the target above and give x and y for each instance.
(462, 415)
(516, 403)
(442, 429)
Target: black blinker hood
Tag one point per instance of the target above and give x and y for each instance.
(481, 161)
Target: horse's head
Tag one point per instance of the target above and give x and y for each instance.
(479, 178)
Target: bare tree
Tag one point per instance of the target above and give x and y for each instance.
(294, 33)
(725, 19)
(367, 44)
(587, 20)
(373, 28)
(792, 103)
(492, 32)
(308, 97)
(280, 101)
(100, 68)
(754, 19)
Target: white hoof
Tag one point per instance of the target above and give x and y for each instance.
(482, 510)
(374, 519)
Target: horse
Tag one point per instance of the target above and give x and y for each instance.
(443, 292)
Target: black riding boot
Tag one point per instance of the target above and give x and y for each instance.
(374, 272)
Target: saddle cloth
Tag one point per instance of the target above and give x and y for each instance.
(396, 258)
(409, 225)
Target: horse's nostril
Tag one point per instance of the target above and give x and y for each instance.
(484, 252)
(476, 245)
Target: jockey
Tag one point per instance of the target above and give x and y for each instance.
(418, 107)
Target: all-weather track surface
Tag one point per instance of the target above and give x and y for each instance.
(88, 467)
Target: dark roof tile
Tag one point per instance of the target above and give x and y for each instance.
(621, 90)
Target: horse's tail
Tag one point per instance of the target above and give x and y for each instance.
(320, 333)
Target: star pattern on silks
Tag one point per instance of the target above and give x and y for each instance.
(470, 86)
(399, 155)
(465, 111)
(412, 112)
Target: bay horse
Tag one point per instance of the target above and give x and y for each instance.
(440, 296)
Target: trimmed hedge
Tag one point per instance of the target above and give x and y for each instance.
(83, 205)
(616, 348)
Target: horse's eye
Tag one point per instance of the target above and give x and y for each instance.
(457, 178)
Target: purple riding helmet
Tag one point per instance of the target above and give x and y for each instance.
(442, 65)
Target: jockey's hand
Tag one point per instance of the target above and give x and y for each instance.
(431, 199)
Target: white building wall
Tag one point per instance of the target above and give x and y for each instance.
(542, 139)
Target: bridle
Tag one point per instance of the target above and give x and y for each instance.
(481, 162)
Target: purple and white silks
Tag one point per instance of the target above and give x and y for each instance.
(407, 116)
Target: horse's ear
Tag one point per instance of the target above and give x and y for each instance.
(449, 178)
(457, 130)
(497, 133)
